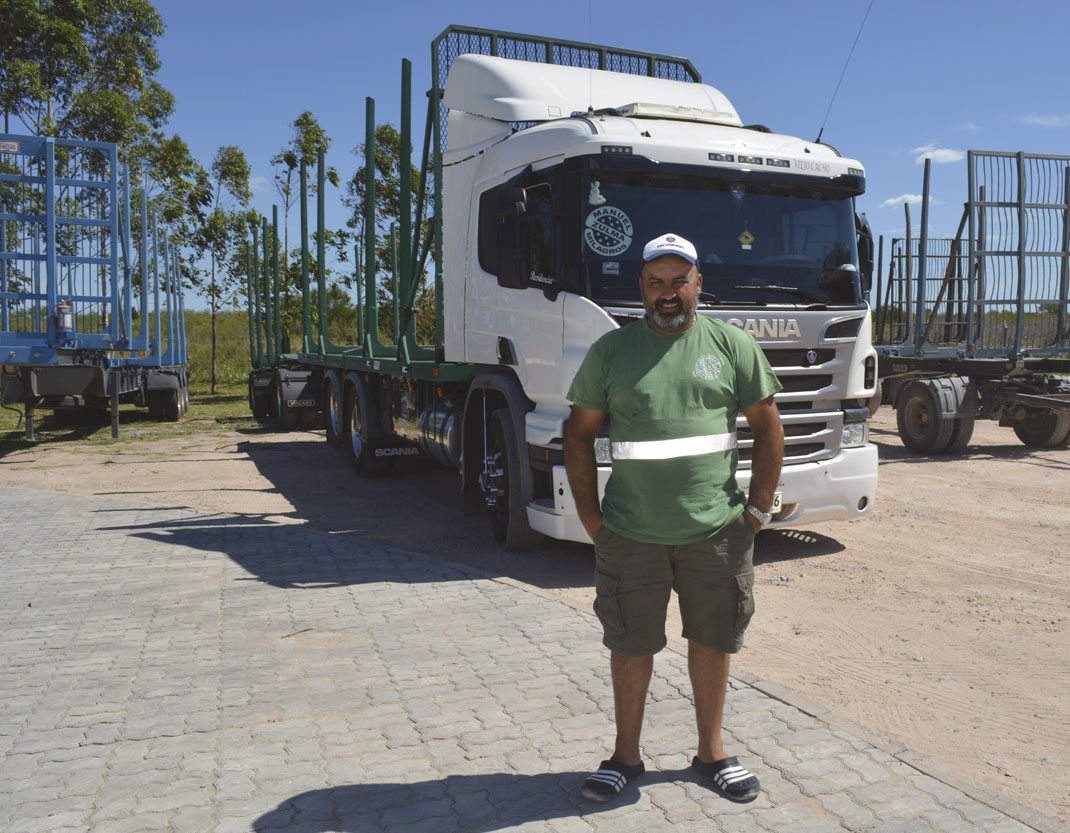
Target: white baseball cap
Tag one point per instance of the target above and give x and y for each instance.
(670, 244)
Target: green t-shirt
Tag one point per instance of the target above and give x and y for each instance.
(672, 402)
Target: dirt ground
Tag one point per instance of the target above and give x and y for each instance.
(942, 620)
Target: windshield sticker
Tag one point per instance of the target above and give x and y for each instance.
(746, 239)
(738, 190)
(595, 196)
(608, 231)
(610, 267)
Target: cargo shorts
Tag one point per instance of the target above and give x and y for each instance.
(713, 578)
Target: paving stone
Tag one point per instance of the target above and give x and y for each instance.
(155, 687)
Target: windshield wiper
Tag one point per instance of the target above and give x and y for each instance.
(708, 297)
(798, 292)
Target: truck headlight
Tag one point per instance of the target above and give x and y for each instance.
(602, 454)
(855, 434)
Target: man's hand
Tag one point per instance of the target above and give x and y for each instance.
(767, 454)
(581, 466)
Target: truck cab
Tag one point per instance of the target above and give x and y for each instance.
(554, 177)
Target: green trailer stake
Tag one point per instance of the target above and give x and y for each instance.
(542, 167)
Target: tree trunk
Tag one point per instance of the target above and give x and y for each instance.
(212, 307)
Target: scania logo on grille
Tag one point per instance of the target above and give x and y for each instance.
(769, 328)
(811, 356)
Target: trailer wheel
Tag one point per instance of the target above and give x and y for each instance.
(1044, 429)
(333, 415)
(961, 434)
(917, 416)
(362, 421)
(502, 488)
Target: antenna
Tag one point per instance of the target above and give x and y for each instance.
(844, 72)
(590, 71)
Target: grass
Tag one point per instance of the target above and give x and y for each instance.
(219, 413)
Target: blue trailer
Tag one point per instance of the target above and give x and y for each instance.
(90, 315)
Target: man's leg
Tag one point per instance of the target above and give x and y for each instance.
(709, 681)
(631, 680)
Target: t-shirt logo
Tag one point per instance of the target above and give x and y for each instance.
(708, 367)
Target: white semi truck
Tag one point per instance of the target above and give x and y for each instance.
(551, 181)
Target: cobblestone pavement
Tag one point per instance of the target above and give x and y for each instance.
(163, 670)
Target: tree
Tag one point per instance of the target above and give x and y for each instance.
(83, 68)
(223, 228)
(308, 140)
(387, 161)
(87, 69)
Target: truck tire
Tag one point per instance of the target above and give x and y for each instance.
(1044, 429)
(961, 434)
(508, 513)
(363, 430)
(333, 414)
(917, 417)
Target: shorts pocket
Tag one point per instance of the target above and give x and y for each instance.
(607, 603)
(744, 601)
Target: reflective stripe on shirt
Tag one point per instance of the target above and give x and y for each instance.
(667, 449)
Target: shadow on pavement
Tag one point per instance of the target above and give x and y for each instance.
(481, 803)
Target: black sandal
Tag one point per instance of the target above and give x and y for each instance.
(610, 779)
(731, 780)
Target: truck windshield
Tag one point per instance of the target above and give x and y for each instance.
(759, 241)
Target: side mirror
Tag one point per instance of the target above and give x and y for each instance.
(512, 203)
(865, 250)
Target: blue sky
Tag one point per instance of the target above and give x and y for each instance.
(926, 78)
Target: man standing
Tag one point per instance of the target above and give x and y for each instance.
(673, 515)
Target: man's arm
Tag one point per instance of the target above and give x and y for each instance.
(581, 467)
(766, 454)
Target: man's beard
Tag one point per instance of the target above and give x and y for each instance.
(674, 322)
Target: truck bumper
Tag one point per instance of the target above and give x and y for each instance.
(831, 490)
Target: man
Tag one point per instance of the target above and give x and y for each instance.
(673, 515)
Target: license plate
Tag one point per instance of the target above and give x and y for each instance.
(778, 503)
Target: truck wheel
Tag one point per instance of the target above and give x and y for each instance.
(362, 429)
(1044, 429)
(284, 416)
(502, 485)
(917, 416)
(333, 416)
(961, 434)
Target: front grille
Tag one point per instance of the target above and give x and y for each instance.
(796, 357)
(809, 436)
(811, 383)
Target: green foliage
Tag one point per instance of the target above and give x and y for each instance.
(232, 339)
(308, 140)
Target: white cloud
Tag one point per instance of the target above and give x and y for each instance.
(908, 199)
(259, 184)
(969, 125)
(1045, 121)
(938, 155)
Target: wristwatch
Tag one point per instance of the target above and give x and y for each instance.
(762, 517)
